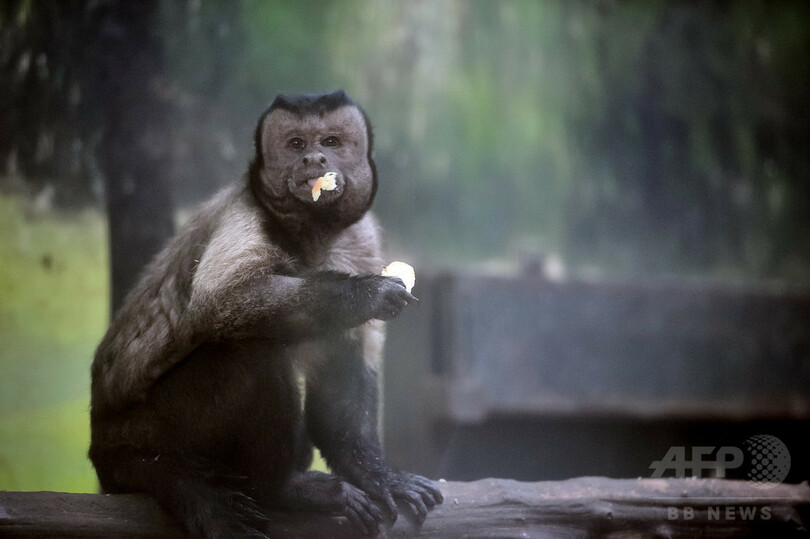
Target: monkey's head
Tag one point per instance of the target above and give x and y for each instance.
(298, 139)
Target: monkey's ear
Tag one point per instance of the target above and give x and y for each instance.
(258, 158)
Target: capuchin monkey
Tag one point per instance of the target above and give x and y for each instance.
(195, 386)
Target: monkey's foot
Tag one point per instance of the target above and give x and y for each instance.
(418, 493)
(316, 491)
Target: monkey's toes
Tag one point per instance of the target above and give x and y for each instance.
(361, 511)
(418, 493)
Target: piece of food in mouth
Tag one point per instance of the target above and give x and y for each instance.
(402, 270)
(324, 183)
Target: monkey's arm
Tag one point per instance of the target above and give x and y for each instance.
(234, 291)
(276, 307)
(290, 309)
(244, 286)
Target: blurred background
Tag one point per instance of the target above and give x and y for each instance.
(605, 202)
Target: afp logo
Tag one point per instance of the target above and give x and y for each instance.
(765, 460)
(769, 462)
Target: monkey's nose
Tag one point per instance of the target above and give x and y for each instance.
(314, 158)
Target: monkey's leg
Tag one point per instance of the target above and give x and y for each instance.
(341, 416)
(271, 448)
(307, 490)
(182, 444)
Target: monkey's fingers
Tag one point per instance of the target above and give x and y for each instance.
(384, 500)
(391, 505)
(362, 512)
(432, 495)
(362, 520)
(390, 302)
(416, 503)
(395, 306)
(407, 296)
(417, 492)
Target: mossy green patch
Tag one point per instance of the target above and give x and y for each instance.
(53, 311)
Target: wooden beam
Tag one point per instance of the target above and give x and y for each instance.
(486, 508)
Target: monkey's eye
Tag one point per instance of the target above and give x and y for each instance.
(297, 143)
(331, 142)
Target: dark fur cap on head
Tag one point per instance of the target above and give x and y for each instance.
(304, 105)
(312, 104)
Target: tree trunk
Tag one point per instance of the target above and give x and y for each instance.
(135, 143)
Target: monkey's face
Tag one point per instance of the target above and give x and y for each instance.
(298, 149)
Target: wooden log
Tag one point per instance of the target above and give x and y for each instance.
(582, 507)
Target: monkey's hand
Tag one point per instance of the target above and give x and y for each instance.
(381, 297)
(417, 493)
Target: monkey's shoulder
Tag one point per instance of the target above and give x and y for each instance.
(231, 230)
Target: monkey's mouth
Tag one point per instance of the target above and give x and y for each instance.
(305, 189)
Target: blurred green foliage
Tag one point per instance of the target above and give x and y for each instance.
(637, 137)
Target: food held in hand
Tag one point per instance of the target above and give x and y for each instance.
(403, 271)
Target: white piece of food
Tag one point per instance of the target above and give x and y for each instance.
(324, 183)
(403, 271)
